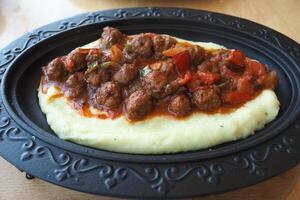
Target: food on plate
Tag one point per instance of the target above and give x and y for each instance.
(152, 93)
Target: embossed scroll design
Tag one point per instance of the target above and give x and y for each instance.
(253, 161)
(164, 180)
(161, 180)
(29, 147)
(266, 34)
(10, 132)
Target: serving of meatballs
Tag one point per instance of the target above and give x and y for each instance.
(150, 74)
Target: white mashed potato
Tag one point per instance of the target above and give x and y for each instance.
(160, 134)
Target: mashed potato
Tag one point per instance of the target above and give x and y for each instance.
(160, 134)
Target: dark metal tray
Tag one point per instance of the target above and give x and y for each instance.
(28, 143)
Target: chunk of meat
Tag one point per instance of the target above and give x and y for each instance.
(108, 95)
(155, 82)
(75, 85)
(111, 36)
(207, 98)
(162, 43)
(180, 105)
(219, 57)
(55, 70)
(172, 87)
(228, 84)
(166, 67)
(134, 86)
(162, 73)
(197, 54)
(97, 77)
(208, 66)
(137, 105)
(126, 74)
(236, 57)
(75, 60)
(139, 46)
(226, 72)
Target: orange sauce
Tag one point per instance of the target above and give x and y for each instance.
(56, 96)
(86, 111)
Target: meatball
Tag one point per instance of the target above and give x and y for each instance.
(134, 86)
(207, 98)
(168, 69)
(155, 81)
(228, 85)
(172, 87)
(108, 95)
(197, 54)
(75, 60)
(180, 105)
(208, 66)
(162, 43)
(137, 105)
(126, 74)
(220, 56)
(97, 77)
(160, 75)
(55, 70)
(140, 46)
(111, 35)
(75, 85)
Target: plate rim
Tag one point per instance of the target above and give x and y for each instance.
(31, 152)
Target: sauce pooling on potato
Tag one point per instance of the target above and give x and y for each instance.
(151, 74)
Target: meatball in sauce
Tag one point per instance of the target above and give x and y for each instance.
(147, 75)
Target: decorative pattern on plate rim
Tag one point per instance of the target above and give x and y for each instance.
(162, 180)
(254, 160)
(10, 54)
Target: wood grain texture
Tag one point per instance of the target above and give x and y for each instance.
(19, 17)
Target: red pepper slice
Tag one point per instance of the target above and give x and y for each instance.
(182, 61)
(173, 51)
(237, 57)
(197, 88)
(116, 54)
(208, 77)
(255, 68)
(186, 78)
(225, 71)
(244, 85)
(89, 50)
(236, 97)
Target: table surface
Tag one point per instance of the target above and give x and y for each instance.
(19, 17)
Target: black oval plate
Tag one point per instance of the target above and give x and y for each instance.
(28, 143)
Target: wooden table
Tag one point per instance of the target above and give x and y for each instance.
(19, 17)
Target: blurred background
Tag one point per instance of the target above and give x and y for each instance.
(18, 17)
